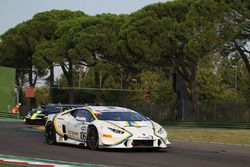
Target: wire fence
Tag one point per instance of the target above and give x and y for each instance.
(109, 88)
(211, 111)
(216, 111)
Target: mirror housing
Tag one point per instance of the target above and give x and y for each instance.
(82, 119)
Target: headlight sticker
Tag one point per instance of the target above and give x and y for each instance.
(123, 139)
(161, 131)
(116, 130)
(155, 132)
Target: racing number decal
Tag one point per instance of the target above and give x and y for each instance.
(83, 136)
(83, 133)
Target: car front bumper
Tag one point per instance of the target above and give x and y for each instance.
(139, 143)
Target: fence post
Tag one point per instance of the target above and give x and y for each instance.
(58, 84)
(182, 110)
(198, 109)
(79, 79)
(100, 79)
(248, 106)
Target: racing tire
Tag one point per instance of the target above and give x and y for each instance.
(50, 133)
(92, 138)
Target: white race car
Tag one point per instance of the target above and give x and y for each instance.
(105, 127)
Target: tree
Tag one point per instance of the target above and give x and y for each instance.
(18, 45)
(54, 47)
(213, 80)
(156, 86)
(236, 31)
(97, 40)
(177, 34)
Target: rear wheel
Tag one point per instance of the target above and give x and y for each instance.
(50, 134)
(26, 121)
(92, 138)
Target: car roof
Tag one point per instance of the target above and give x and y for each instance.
(62, 105)
(97, 109)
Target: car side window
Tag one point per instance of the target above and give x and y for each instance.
(73, 113)
(84, 113)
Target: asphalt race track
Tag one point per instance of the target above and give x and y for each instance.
(16, 139)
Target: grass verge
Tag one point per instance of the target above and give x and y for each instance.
(230, 136)
(232, 125)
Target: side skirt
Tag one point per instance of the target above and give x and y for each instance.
(61, 139)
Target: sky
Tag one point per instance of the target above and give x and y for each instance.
(13, 12)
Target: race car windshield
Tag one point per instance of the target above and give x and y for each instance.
(51, 110)
(121, 116)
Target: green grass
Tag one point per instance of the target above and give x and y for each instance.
(233, 125)
(210, 135)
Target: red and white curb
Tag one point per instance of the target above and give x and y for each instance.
(36, 162)
(27, 163)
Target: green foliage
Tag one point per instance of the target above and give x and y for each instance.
(211, 83)
(51, 48)
(42, 95)
(138, 51)
(159, 86)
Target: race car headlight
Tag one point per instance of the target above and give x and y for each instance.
(28, 115)
(161, 131)
(116, 130)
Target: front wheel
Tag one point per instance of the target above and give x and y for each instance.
(50, 134)
(92, 138)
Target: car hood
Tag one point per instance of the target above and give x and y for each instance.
(141, 129)
(129, 124)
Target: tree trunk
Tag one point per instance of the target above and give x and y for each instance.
(190, 77)
(32, 100)
(51, 80)
(194, 97)
(244, 58)
(68, 73)
(70, 84)
(98, 93)
(51, 84)
(125, 85)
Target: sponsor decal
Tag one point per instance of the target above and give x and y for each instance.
(107, 135)
(84, 128)
(83, 136)
(132, 124)
(73, 133)
(146, 137)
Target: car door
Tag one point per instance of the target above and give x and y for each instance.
(78, 129)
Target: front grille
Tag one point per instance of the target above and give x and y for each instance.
(142, 143)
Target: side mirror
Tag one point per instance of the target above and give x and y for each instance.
(82, 119)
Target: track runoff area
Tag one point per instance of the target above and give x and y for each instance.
(24, 145)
